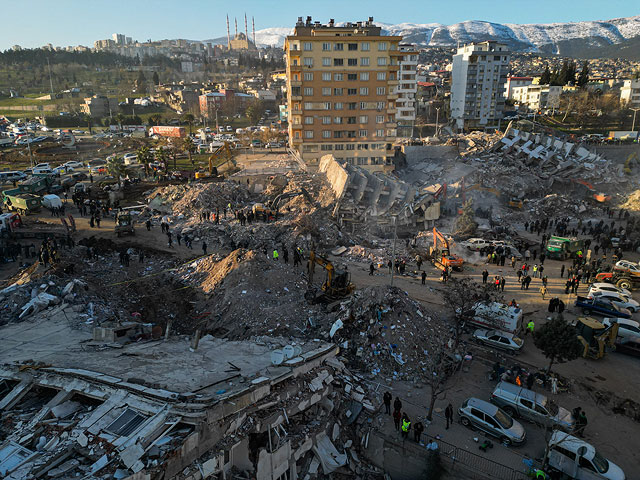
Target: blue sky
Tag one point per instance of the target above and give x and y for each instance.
(75, 22)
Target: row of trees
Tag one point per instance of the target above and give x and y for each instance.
(567, 75)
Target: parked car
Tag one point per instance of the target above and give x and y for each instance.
(617, 299)
(578, 459)
(537, 408)
(595, 306)
(485, 416)
(475, 243)
(630, 346)
(627, 328)
(608, 287)
(499, 339)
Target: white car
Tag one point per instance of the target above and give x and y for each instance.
(63, 169)
(627, 329)
(73, 164)
(618, 299)
(608, 287)
(475, 243)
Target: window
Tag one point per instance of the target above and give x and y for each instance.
(326, 91)
(382, 76)
(353, 47)
(326, 62)
(295, 91)
(382, 61)
(526, 403)
(351, 133)
(337, 91)
(380, 133)
(308, 77)
(338, 105)
(337, 134)
(308, 90)
(351, 146)
(364, 119)
(352, 106)
(563, 451)
(326, 105)
(363, 106)
(296, 134)
(307, 46)
(491, 421)
(126, 423)
(382, 46)
(339, 146)
(379, 118)
(351, 120)
(326, 134)
(352, 76)
(352, 62)
(380, 105)
(364, 76)
(308, 61)
(352, 91)
(338, 77)
(362, 160)
(326, 76)
(308, 106)
(364, 46)
(326, 120)
(584, 463)
(338, 62)
(337, 120)
(364, 90)
(308, 134)
(381, 91)
(296, 120)
(338, 47)
(326, 47)
(308, 120)
(364, 61)
(326, 146)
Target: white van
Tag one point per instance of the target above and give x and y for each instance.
(497, 315)
(51, 201)
(42, 170)
(12, 176)
(577, 459)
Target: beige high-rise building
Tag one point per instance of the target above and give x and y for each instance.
(342, 91)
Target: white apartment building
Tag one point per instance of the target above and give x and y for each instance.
(537, 97)
(513, 82)
(478, 77)
(406, 89)
(630, 93)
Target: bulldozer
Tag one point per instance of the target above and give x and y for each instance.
(595, 336)
(124, 224)
(224, 153)
(337, 283)
(441, 255)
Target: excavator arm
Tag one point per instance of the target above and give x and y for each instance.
(337, 284)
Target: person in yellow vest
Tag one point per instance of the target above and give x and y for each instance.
(275, 254)
(406, 425)
(530, 327)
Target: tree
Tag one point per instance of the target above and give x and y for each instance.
(189, 147)
(189, 118)
(465, 224)
(120, 118)
(460, 297)
(254, 111)
(117, 169)
(155, 119)
(558, 340)
(583, 78)
(563, 76)
(438, 366)
(143, 155)
(156, 78)
(161, 156)
(545, 79)
(141, 83)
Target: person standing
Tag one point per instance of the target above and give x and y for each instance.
(582, 423)
(417, 431)
(530, 327)
(285, 254)
(397, 415)
(485, 275)
(275, 254)
(148, 224)
(448, 415)
(204, 248)
(424, 276)
(386, 398)
(543, 290)
(397, 405)
(178, 238)
(371, 269)
(502, 282)
(406, 425)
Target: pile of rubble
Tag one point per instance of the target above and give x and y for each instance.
(633, 202)
(190, 199)
(384, 332)
(476, 142)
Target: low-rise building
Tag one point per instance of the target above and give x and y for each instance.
(99, 106)
(537, 97)
(513, 82)
(630, 93)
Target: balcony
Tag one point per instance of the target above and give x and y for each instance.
(296, 83)
(392, 96)
(296, 98)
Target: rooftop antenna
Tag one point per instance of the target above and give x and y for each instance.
(253, 24)
(228, 34)
(246, 31)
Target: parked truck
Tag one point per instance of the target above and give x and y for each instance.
(561, 248)
(23, 203)
(163, 131)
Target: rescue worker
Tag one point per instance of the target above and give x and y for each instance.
(530, 327)
(406, 425)
(275, 254)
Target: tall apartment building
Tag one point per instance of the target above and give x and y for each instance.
(630, 93)
(406, 89)
(341, 92)
(478, 78)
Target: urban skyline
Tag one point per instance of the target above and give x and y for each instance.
(61, 25)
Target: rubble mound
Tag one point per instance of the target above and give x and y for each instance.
(250, 294)
(188, 199)
(388, 333)
(633, 202)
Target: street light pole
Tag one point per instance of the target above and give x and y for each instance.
(633, 124)
(437, 120)
(393, 249)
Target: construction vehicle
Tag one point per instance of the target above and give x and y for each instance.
(441, 255)
(619, 279)
(337, 283)
(23, 203)
(515, 203)
(595, 336)
(561, 248)
(124, 224)
(220, 157)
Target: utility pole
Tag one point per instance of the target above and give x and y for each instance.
(393, 249)
(50, 81)
(437, 120)
(633, 125)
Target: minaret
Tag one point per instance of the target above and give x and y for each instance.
(253, 24)
(246, 31)
(228, 35)
(236, 20)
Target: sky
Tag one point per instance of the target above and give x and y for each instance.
(75, 22)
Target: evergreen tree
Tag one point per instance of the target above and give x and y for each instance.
(558, 340)
(583, 78)
(545, 79)
(563, 76)
(156, 78)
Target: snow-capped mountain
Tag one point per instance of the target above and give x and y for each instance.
(548, 38)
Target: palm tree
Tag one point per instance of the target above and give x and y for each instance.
(117, 169)
(161, 156)
(155, 119)
(189, 118)
(120, 118)
(144, 156)
(189, 147)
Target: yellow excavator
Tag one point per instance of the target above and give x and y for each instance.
(224, 153)
(337, 283)
(595, 336)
